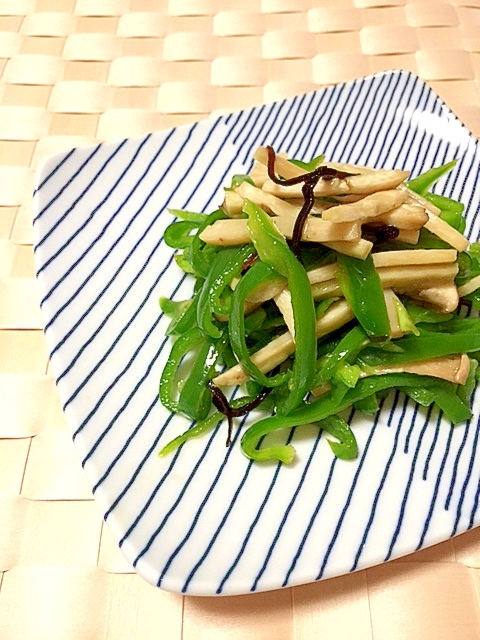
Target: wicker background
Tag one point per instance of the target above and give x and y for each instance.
(77, 71)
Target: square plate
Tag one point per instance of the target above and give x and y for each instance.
(206, 520)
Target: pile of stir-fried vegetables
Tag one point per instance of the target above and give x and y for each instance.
(320, 286)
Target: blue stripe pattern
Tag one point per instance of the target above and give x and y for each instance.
(206, 520)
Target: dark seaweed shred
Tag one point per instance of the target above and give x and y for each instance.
(222, 404)
(379, 233)
(309, 180)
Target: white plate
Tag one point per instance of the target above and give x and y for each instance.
(206, 520)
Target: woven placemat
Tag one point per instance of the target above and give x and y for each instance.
(78, 71)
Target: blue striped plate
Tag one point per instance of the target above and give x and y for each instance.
(206, 520)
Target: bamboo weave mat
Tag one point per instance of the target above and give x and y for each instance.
(77, 71)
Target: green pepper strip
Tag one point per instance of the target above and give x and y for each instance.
(256, 275)
(212, 282)
(183, 314)
(184, 262)
(177, 235)
(450, 210)
(465, 391)
(321, 409)
(347, 349)
(347, 448)
(181, 346)
(195, 398)
(445, 396)
(347, 373)
(460, 335)
(422, 183)
(424, 397)
(194, 432)
(226, 265)
(273, 249)
(176, 309)
(308, 166)
(420, 314)
(191, 216)
(231, 269)
(361, 286)
(368, 405)
(238, 178)
(199, 253)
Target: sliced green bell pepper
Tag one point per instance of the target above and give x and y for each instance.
(422, 183)
(334, 403)
(258, 274)
(273, 250)
(362, 288)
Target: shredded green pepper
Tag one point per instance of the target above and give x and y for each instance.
(309, 166)
(168, 383)
(335, 403)
(460, 335)
(362, 288)
(348, 347)
(198, 254)
(232, 269)
(347, 448)
(422, 183)
(213, 285)
(177, 235)
(258, 274)
(195, 398)
(183, 314)
(274, 251)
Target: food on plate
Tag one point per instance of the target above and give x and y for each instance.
(317, 288)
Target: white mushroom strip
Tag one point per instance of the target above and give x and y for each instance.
(226, 232)
(233, 232)
(402, 279)
(391, 302)
(469, 287)
(452, 368)
(279, 349)
(258, 173)
(442, 295)
(326, 289)
(283, 167)
(349, 168)
(445, 232)
(232, 204)
(369, 207)
(356, 249)
(406, 216)
(436, 225)
(408, 277)
(319, 230)
(233, 200)
(415, 256)
(363, 183)
(284, 303)
(409, 236)
(347, 199)
(319, 205)
(323, 273)
(267, 201)
(266, 291)
(259, 295)
(416, 198)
